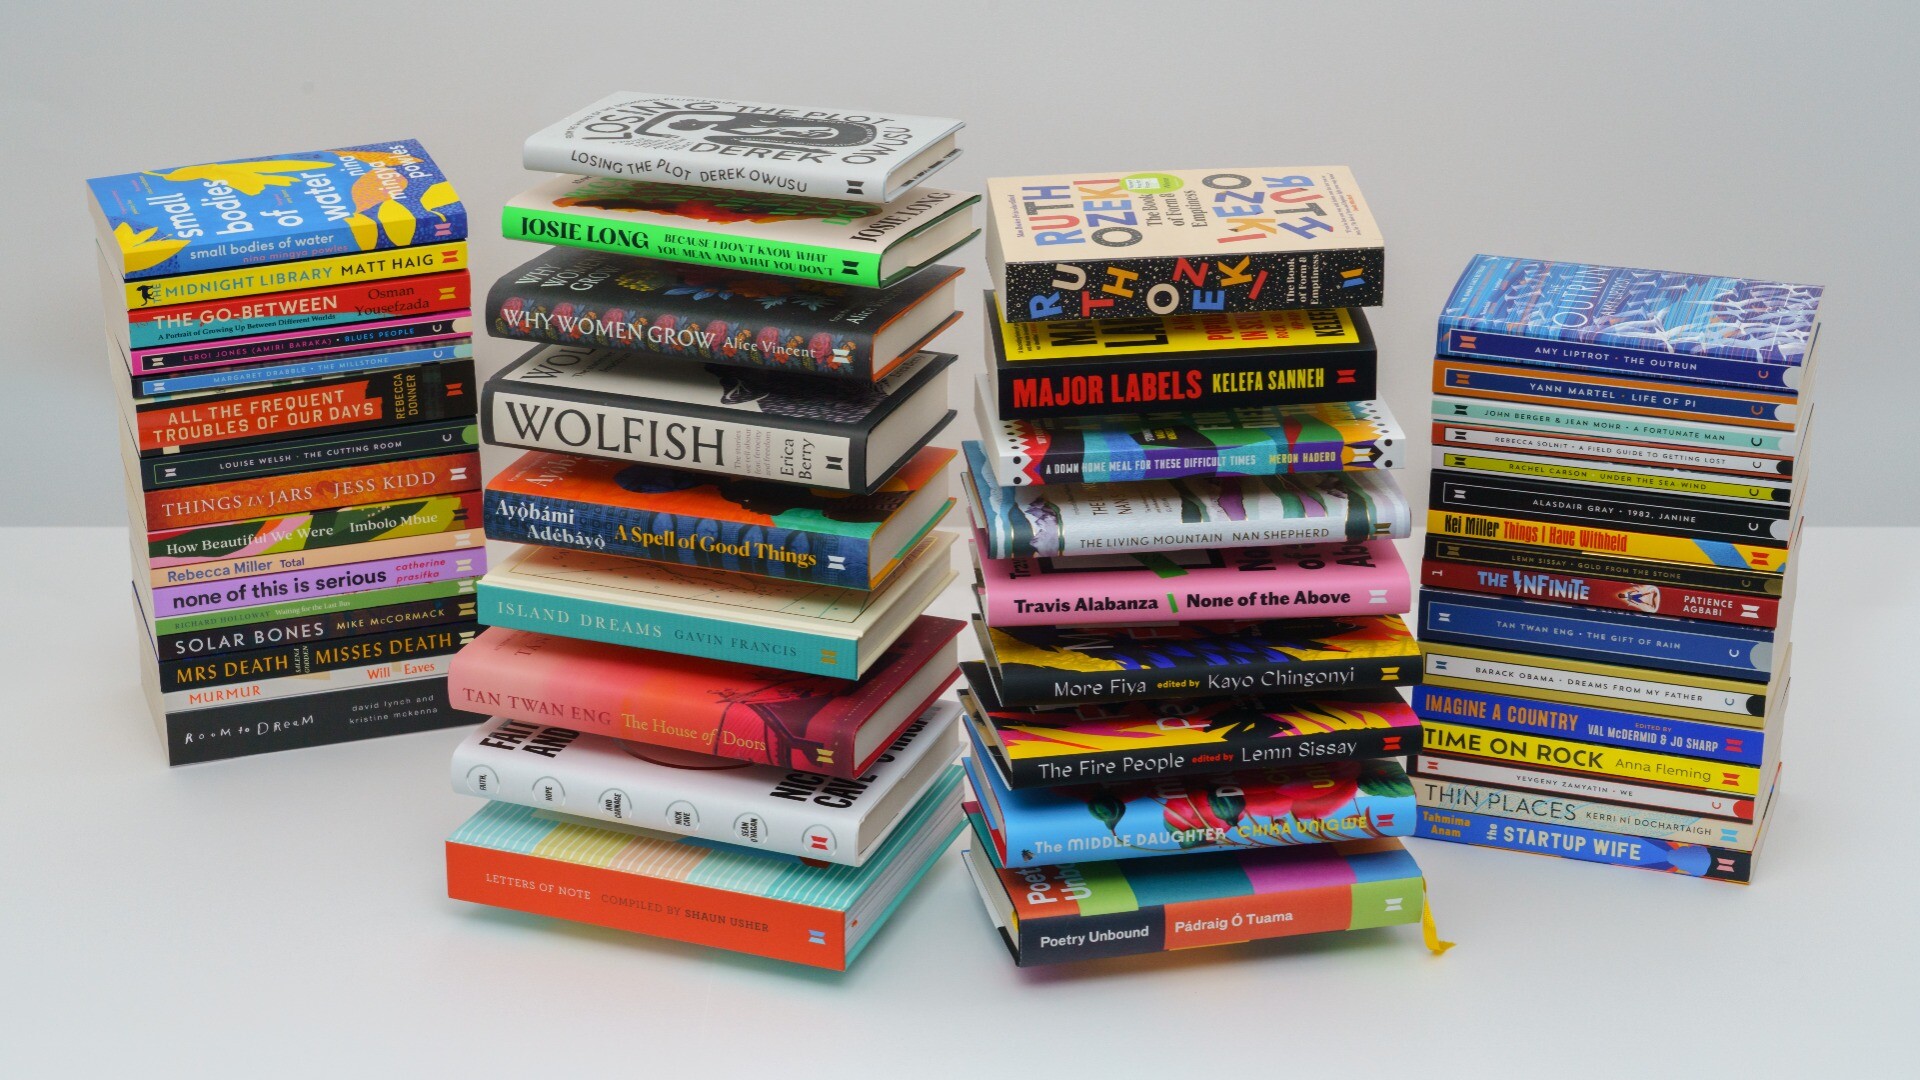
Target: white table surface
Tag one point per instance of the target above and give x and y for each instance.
(285, 915)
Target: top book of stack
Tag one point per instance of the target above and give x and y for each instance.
(1114, 246)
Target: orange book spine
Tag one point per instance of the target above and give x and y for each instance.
(386, 481)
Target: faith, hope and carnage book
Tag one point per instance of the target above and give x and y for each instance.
(854, 154)
(758, 425)
(1122, 245)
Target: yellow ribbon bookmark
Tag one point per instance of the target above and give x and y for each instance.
(1428, 930)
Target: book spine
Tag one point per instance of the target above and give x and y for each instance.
(324, 581)
(1576, 390)
(1636, 571)
(1039, 389)
(1630, 731)
(327, 451)
(1022, 686)
(767, 550)
(1517, 805)
(1586, 539)
(1716, 805)
(716, 638)
(1610, 594)
(678, 243)
(233, 500)
(385, 334)
(1121, 288)
(1036, 455)
(1633, 454)
(341, 603)
(359, 302)
(348, 363)
(1356, 744)
(312, 531)
(1707, 520)
(296, 686)
(1675, 694)
(259, 727)
(338, 405)
(328, 626)
(1587, 845)
(1595, 474)
(212, 285)
(1498, 622)
(368, 551)
(1619, 360)
(1441, 737)
(655, 906)
(307, 658)
(1566, 423)
(660, 436)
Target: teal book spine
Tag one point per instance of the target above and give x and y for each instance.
(685, 635)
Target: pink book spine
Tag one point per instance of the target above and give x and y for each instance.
(1295, 582)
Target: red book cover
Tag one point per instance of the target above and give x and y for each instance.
(260, 496)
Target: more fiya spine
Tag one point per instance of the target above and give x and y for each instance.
(765, 550)
(307, 657)
(1021, 685)
(1587, 845)
(338, 405)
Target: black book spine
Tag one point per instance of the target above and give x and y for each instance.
(1212, 759)
(307, 657)
(1092, 937)
(362, 712)
(1122, 288)
(331, 626)
(305, 455)
(1669, 515)
(1023, 685)
(366, 337)
(1548, 560)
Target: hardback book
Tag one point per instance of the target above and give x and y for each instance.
(853, 154)
(414, 341)
(1711, 529)
(1577, 450)
(1591, 845)
(1287, 582)
(1156, 739)
(1243, 811)
(677, 887)
(1584, 723)
(249, 211)
(317, 489)
(1650, 323)
(840, 820)
(1127, 245)
(1565, 681)
(301, 455)
(1343, 436)
(713, 708)
(246, 286)
(1088, 911)
(1067, 665)
(1204, 361)
(758, 425)
(692, 611)
(745, 526)
(301, 658)
(569, 296)
(822, 239)
(396, 611)
(1177, 515)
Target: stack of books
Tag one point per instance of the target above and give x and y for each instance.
(1607, 587)
(1184, 728)
(713, 682)
(289, 339)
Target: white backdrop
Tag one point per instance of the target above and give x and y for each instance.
(1752, 139)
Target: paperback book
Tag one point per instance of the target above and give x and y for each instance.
(1729, 812)
(1706, 698)
(249, 282)
(1521, 805)
(302, 455)
(1589, 845)
(313, 531)
(1639, 399)
(1583, 633)
(1652, 588)
(1627, 730)
(359, 303)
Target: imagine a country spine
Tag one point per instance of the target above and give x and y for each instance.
(1587, 723)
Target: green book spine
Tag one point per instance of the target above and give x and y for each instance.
(680, 244)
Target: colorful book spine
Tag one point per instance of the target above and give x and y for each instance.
(311, 531)
(316, 682)
(1587, 845)
(1537, 807)
(205, 287)
(306, 657)
(1640, 398)
(1607, 593)
(301, 455)
(292, 493)
(1585, 723)
(327, 626)
(1607, 686)
(346, 363)
(1710, 523)
(1473, 439)
(1627, 543)
(324, 581)
(1569, 423)
(1440, 737)
(1655, 641)
(247, 566)
(1666, 575)
(343, 605)
(334, 405)
(1617, 477)
(258, 727)
(367, 303)
(1719, 806)
(389, 335)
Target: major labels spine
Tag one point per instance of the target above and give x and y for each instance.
(1466, 439)
(1121, 288)
(1572, 389)
(1446, 738)
(1586, 723)
(767, 550)
(319, 529)
(306, 274)
(359, 302)
(231, 500)
(228, 352)
(324, 581)
(211, 623)
(1712, 579)
(314, 367)
(1588, 845)
(1711, 520)
(361, 712)
(1532, 806)
(307, 657)
(1612, 594)
(1576, 423)
(304, 455)
(1616, 360)
(1655, 641)
(327, 626)
(1041, 389)
(1606, 686)
(1723, 808)
(336, 405)
(716, 638)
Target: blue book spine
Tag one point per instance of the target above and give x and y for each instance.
(685, 635)
(1613, 360)
(1609, 637)
(1587, 845)
(1537, 383)
(147, 334)
(818, 558)
(342, 364)
(250, 211)
(1630, 731)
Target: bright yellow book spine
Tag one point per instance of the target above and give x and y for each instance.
(1443, 738)
(1678, 484)
(1589, 538)
(300, 274)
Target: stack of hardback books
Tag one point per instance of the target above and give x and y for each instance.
(1184, 728)
(713, 682)
(1607, 586)
(289, 339)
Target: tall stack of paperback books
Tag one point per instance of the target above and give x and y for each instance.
(714, 687)
(1607, 586)
(1185, 727)
(289, 338)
